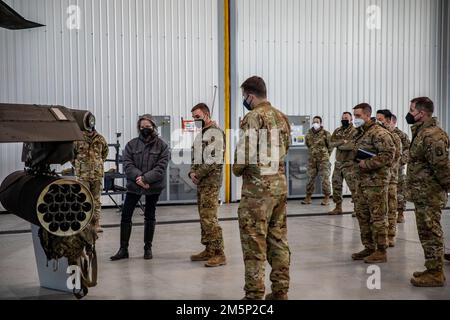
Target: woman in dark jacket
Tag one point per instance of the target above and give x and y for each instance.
(145, 162)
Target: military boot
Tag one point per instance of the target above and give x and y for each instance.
(362, 254)
(308, 199)
(125, 232)
(217, 260)
(325, 201)
(278, 296)
(447, 256)
(400, 217)
(149, 231)
(428, 278)
(205, 255)
(417, 274)
(391, 242)
(337, 210)
(379, 256)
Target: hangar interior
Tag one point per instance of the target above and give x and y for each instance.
(124, 58)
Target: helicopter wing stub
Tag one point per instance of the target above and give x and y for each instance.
(32, 123)
(10, 19)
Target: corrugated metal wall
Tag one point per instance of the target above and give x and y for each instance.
(161, 56)
(129, 57)
(322, 57)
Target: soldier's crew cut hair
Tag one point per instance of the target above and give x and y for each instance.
(386, 113)
(317, 117)
(202, 106)
(255, 85)
(349, 113)
(424, 104)
(365, 107)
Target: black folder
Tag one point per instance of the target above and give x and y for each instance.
(364, 155)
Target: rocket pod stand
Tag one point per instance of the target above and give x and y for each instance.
(50, 277)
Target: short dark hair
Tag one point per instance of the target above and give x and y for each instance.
(386, 113)
(256, 86)
(201, 106)
(349, 113)
(365, 107)
(424, 104)
(317, 117)
(394, 117)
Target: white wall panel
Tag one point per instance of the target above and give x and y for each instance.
(319, 57)
(128, 58)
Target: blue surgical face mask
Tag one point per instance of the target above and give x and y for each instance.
(358, 122)
(247, 105)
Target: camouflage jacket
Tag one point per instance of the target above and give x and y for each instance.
(395, 166)
(428, 165)
(209, 171)
(344, 152)
(405, 146)
(90, 154)
(375, 139)
(260, 176)
(319, 144)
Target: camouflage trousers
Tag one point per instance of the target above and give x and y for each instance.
(401, 200)
(371, 208)
(95, 187)
(322, 169)
(428, 220)
(392, 210)
(341, 172)
(263, 229)
(208, 204)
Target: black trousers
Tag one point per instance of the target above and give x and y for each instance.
(131, 200)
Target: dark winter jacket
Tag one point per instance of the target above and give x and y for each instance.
(147, 159)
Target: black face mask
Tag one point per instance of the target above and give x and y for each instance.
(146, 132)
(247, 105)
(410, 118)
(345, 123)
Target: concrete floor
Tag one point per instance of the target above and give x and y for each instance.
(321, 266)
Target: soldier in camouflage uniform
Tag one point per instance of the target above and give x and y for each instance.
(262, 210)
(384, 118)
(343, 167)
(318, 141)
(90, 155)
(375, 150)
(207, 175)
(401, 202)
(428, 180)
